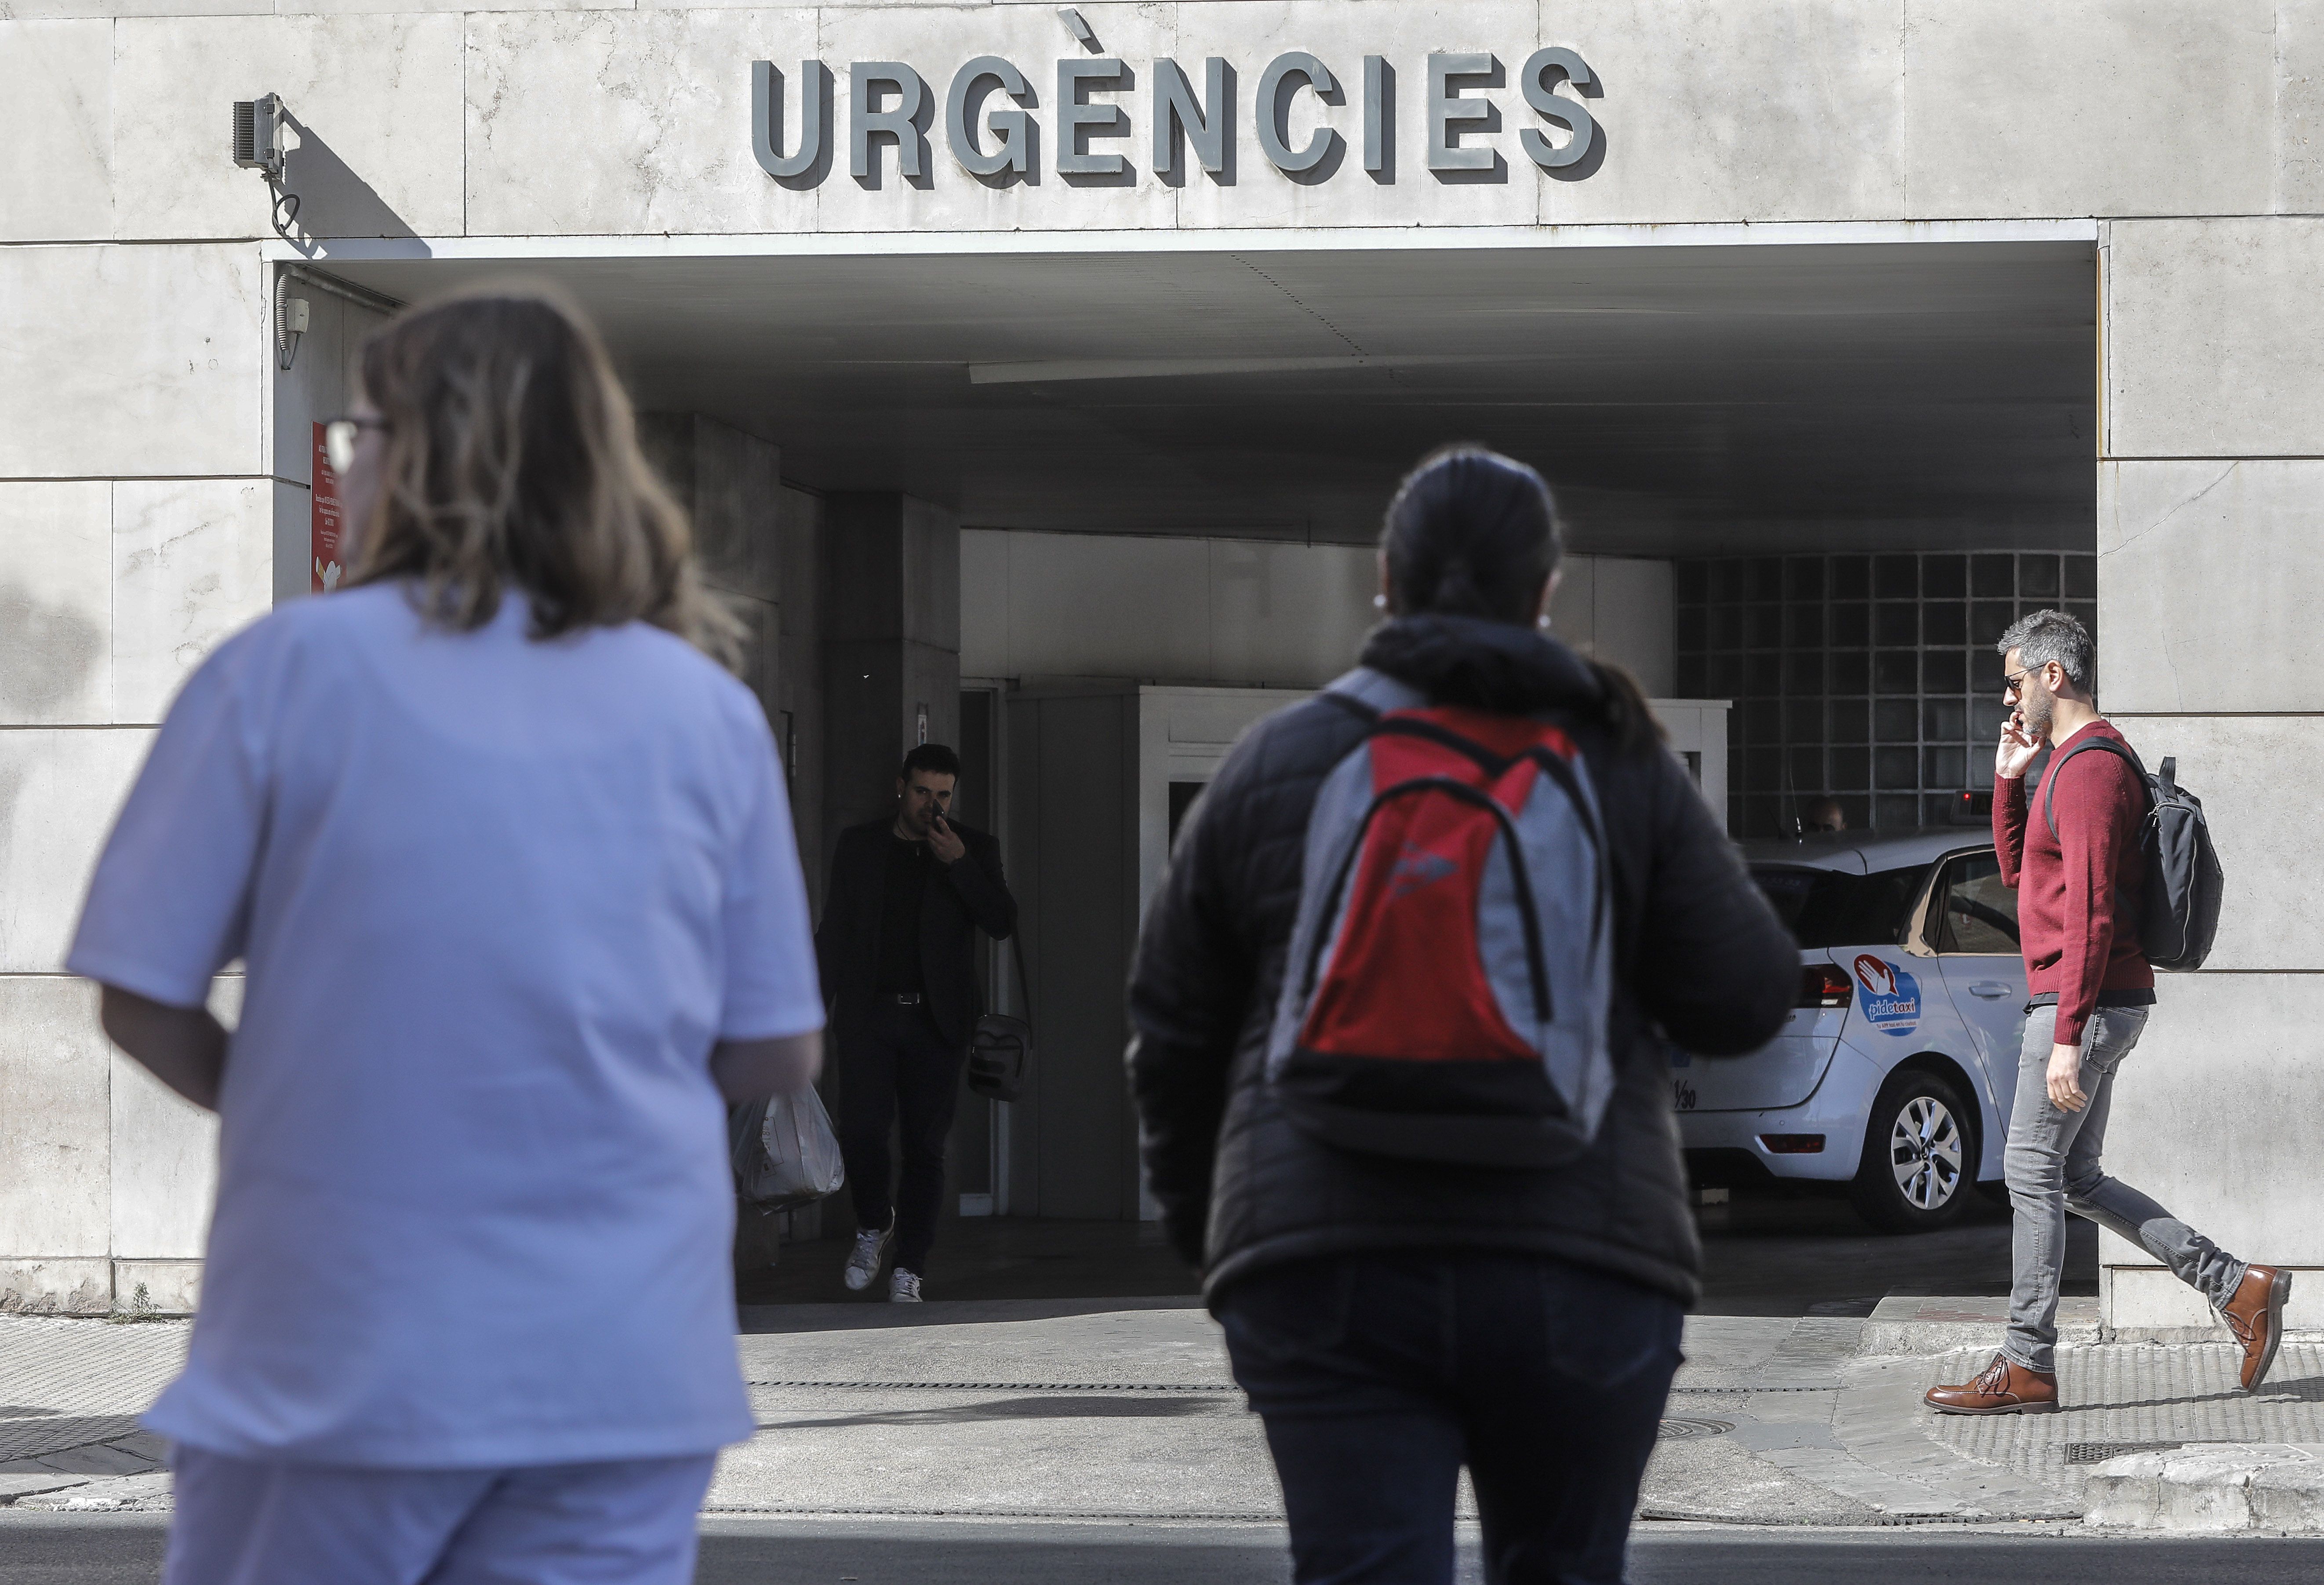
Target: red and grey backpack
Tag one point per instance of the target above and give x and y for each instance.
(1450, 971)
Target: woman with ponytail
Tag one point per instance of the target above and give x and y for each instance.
(1393, 1320)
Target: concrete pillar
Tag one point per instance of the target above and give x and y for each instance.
(760, 542)
(729, 484)
(2211, 460)
(891, 645)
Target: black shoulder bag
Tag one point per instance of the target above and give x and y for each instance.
(1001, 1051)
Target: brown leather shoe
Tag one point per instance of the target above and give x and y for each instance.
(2254, 1313)
(2002, 1387)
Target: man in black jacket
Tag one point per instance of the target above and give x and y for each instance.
(898, 956)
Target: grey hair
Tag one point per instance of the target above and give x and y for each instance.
(2043, 637)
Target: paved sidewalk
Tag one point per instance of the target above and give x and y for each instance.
(1124, 1410)
(71, 1392)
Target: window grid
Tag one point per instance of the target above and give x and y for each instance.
(1870, 679)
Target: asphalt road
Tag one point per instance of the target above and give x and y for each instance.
(65, 1549)
(1783, 1252)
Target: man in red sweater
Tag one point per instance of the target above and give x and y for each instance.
(2078, 893)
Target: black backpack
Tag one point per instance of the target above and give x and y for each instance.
(2183, 880)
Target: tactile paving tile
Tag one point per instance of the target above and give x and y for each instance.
(2135, 1393)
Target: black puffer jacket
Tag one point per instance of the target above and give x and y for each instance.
(1698, 951)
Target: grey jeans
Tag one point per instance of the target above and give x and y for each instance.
(2052, 1167)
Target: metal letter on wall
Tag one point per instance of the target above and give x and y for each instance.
(864, 123)
(1177, 111)
(1275, 86)
(1449, 114)
(1013, 127)
(1541, 71)
(1376, 112)
(766, 119)
(1076, 120)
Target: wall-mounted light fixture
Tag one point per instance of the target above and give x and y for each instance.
(258, 136)
(258, 146)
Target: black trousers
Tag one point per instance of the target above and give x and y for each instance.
(897, 1071)
(1379, 1375)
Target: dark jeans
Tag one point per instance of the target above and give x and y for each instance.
(1380, 1374)
(897, 1071)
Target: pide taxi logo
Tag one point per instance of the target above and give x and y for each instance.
(1890, 997)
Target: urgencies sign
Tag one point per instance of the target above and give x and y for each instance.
(997, 140)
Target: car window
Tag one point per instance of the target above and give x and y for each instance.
(1980, 913)
(1828, 908)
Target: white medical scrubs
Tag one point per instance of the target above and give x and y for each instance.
(497, 898)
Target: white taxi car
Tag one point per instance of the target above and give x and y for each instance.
(1895, 1074)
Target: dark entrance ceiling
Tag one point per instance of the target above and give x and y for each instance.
(1684, 400)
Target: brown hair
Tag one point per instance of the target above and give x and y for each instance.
(512, 463)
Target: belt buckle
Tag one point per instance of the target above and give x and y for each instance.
(907, 998)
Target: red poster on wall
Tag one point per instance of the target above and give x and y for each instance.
(327, 522)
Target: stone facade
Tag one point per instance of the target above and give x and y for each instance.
(153, 469)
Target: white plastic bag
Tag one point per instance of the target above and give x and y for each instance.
(790, 1157)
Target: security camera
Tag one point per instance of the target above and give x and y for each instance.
(258, 134)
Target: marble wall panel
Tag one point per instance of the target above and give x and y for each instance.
(1251, 191)
(2298, 163)
(149, 361)
(78, 1286)
(111, 10)
(632, 122)
(59, 791)
(56, 182)
(375, 104)
(56, 603)
(54, 1195)
(2213, 1112)
(2263, 820)
(2207, 573)
(164, 1167)
(193, 563)
(1719, 112)
(729, 483)
(173, 1287)
(936, 43)
(165, 1174)
(2089, 107)
(2213, 338)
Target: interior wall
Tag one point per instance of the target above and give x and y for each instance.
(1242, 613)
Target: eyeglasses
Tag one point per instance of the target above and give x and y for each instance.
(2015, 682)
(339, 436)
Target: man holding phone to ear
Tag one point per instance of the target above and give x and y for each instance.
(897, 949)
(2079, 889)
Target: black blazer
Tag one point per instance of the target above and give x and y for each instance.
(971, 894)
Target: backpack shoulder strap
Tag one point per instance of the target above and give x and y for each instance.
(1367, 694)
(2050, 777)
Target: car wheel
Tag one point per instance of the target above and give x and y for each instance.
(1919, 1156)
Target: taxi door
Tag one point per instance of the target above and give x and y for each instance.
(1976, 939)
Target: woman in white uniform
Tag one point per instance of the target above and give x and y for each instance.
(507, 857)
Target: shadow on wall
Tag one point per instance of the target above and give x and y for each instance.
(45, 654)
(333, 200)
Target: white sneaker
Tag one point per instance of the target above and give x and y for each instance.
(863, 1262)
(903, 1286)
